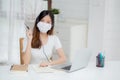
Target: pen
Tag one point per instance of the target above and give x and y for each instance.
(46, 56)
(27, 27)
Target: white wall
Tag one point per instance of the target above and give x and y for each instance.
(112, 30)
(72, 9)
(4, 31)
(96, 26)
(4, 35)
(104, 28)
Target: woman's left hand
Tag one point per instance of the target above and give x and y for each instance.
(44, 64)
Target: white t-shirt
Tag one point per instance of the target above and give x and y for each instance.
(41, 54)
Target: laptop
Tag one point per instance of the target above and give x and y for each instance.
(80, 59)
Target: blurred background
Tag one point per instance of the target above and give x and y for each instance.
(93, 24)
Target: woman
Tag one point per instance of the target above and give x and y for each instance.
(41, 42)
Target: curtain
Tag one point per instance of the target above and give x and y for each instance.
(14, 14)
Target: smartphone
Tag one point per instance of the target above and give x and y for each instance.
(27, 27)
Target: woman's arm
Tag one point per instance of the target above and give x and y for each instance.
(27, 54)
(26, 57)
(60, 60)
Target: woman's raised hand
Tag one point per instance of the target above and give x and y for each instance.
(29, 34)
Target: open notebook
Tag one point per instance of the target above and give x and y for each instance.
(48, 69)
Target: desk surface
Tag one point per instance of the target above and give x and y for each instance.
(111, 71)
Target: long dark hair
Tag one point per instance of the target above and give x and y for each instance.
(36, 42)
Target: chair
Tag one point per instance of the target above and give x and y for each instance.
(21, 48)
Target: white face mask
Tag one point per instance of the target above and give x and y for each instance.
(44, 27)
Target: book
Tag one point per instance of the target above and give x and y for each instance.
(19, 68)
(39, 69)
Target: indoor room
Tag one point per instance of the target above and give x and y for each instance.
(82, 26)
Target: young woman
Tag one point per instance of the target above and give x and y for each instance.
(41, 42)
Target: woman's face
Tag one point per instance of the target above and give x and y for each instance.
(46, 19)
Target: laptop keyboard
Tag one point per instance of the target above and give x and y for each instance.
(67, 67)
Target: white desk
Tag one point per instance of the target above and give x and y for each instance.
(111, 71)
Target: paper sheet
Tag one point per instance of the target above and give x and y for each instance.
(37, 68)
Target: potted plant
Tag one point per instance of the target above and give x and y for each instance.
(55, 11)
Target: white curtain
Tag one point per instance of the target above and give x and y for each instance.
(13, 15)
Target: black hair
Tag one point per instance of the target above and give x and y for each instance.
(43, 14)
(36, 41)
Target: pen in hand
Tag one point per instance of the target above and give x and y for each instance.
(27, 27)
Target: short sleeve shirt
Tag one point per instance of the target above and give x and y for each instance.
(45, 52)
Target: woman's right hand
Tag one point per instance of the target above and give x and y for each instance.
(29, 34)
